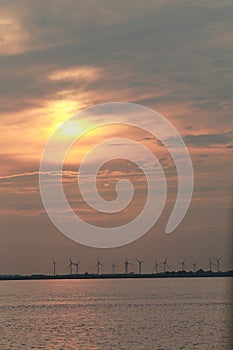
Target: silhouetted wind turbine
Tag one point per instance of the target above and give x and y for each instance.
(113, 267)
(70, 266)
(54, 268)
(182, 263)
(194, 266)
(210, 264)
(98, 265)
(140, 262)
(127, 263)
(156, 266)
(218, 263)
(164, 263)
(77, 265)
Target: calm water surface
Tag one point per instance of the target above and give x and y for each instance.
(161, 314)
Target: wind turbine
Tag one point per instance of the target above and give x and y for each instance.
(218, 263)
(98, 265)
(113, 267)
(127, 263)
(54, 268)
(156, 266)
(211, 263)
(182, 263)
(77, 265)
(70, 267)
(140, 262)
(194, 266)
(164, 263)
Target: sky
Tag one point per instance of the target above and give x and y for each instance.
(59, 57)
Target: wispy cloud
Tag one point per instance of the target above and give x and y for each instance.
(210, 140)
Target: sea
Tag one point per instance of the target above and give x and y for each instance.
(127, 314)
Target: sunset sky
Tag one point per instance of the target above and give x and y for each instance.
(58, 57)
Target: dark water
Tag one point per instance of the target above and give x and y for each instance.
(163, 314)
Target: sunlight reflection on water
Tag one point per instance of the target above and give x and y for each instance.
(161, 314)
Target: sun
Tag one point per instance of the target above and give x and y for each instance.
(72, 128)
(60, 111)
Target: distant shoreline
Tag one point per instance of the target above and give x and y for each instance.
(181, 274)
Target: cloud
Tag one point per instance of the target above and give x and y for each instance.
(81, 73)
(13, 176)
(141, 48)
(209, 140)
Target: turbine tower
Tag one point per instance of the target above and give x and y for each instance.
(182, 263)
(218, 263)
(113, 268)
(98, 265)
(77, 266)
(211, 263)
(156, 266)
(54, 268)
(165, 265)
(140, 262)
(127, 263)
(70, 267)
(194, 266)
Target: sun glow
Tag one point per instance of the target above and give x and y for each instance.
(73, 128)
(61, 110)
